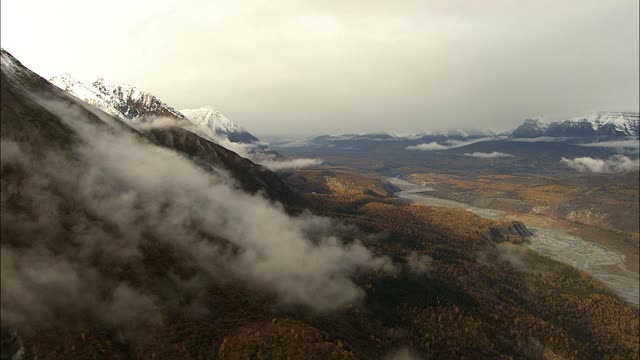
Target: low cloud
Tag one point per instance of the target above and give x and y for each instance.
(428, 147)
(256, 152)
(491, 155)
(259, 154)
(160, 122)
(630, 146)
(403, 354)
(276, 165)
(615, 164)
(631, 143)
(419, 264)
(76, 225)
(511, 254)
(286, 142)
(448, 144)
(540, 139)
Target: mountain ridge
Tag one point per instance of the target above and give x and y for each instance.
(26, 119)
(139, 107)
(590, 125)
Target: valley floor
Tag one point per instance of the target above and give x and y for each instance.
(595, 251)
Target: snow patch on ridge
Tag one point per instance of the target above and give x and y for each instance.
(212, 121)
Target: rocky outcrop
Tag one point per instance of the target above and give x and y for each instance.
(514, 231)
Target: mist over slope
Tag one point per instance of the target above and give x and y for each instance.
(144, 110)
(82, 208)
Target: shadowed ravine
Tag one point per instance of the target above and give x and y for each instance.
(606, 265)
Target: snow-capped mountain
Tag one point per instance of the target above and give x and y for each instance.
(134, 103)
(135, 106)
(436, 135)
(593, 125)
(88, 94)
(215, 124)
(532, 127)
(123, 101)
(614, 123)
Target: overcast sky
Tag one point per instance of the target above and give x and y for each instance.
(335, 66)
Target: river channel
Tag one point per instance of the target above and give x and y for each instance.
(605, 264)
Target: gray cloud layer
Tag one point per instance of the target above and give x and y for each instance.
(72, 224)
(334, 66)
(615, 164)
(249, 151)
(629, 146)
(447, 144)
(491, 155)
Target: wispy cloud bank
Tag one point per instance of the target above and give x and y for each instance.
(252, 151)
(418, 263)
(491, 155)
(265, 158)
(276, 165)
(80, 219)
(448, 144)
(629, 143)
(428, 147)
(615, 164)
(403, 354)
(540, 139)
(624, 146)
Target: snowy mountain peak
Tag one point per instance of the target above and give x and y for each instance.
(622, 122)
(124, 101)
(65, 79)
(132, 102)
(535, 121)
(215, 124)
(133, 105)
(598, 124)
(88, 94)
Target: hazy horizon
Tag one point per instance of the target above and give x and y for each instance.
(305, 68)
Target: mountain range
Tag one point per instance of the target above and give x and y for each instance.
(588, 128)
(591, 126)
(137, 107)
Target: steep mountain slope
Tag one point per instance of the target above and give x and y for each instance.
(25, 114)
(132, 104)
(124, 101)
(19, 85)
(88, 94)
(143, 110)
(254, 178)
